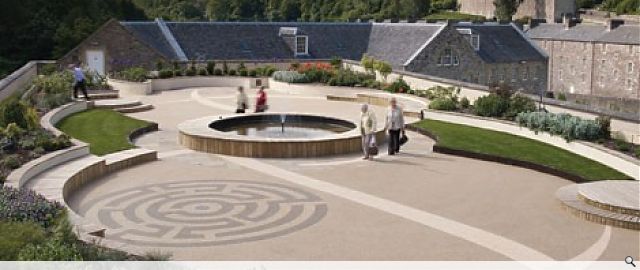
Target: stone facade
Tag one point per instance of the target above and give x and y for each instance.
(594, 68)
(526, 76)
(121, 49)
(550, 10)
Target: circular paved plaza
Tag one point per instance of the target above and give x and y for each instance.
(417, 205)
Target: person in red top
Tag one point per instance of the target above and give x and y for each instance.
(261, 102)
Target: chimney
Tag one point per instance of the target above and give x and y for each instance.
(568, 22)
(614, 23)
(533, 23)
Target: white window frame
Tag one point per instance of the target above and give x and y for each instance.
(306, 45)
(525, 73)
(629, 84)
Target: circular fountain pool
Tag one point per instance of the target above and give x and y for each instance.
(272, 135)
(282, 126)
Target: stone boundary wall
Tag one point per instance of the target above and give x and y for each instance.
(19, 79)
(624, 164)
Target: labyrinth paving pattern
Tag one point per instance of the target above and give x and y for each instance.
(204, 212)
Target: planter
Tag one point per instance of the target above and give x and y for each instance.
(126, 88)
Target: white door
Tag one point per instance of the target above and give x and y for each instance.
(95, 61)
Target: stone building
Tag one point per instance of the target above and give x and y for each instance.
(476, 53)
(549, 10)
(592, 60)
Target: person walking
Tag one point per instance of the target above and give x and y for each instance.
(79, 82)
(368, 131)
(395, 126)
(261, 102)
(241, 100)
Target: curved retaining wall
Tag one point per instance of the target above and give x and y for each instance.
(628, 166)
(19, 177)
(126, 88)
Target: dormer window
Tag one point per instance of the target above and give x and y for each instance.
(302, 45)
(473, 39)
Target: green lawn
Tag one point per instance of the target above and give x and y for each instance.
(515, 147)
(106, 131)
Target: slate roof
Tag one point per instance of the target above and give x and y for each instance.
(397, 42)
(260, 41)
(624, 34)
(500, 43)
(150, 34)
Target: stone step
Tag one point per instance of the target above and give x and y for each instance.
(616, 196)
(572, 201)
(139, 108)
(99, 96)
(117, 103)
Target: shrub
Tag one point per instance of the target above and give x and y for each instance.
(347, 77)
(134, 74)
(372, 83)
(202, 72)
(11, 161)
(464, 103)
(398, 86)
(444, 92)
(211, 66)
(225, 68)
(290, 77)
(157, 255)
(51, 250)
(368, 63)
(294, 66)
(266, 70)
(232, 72)
(604, 123)
(518, 104)
(336, 62)
(241, 66)
(443, 104)
(14, 111)
(178, 72)
(191, 72)
(491, 105)
(14, 236)
(562, 96)
(243, 72)
(26, 206)
(565, 125)
(165, 73)
(253, 73)
(159, 65)
(384, 68)
(217, 72)
(48, 69)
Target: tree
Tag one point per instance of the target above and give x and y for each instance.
(217, 10)
(505, 9)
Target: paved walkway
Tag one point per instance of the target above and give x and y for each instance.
(418, 205)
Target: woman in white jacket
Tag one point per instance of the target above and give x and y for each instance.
(242, 101)
(368, 130)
